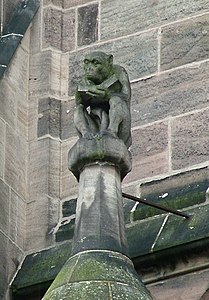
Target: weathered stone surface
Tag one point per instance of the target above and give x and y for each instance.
(89, 276)
(2, 147)
(99, 213)
(17, 223)
(170, 94)
(149, 151)
(141, 236)
(65, 231)
(4, 199)
(185, 42)
(47, 72)
(68, 181)
(190, 143)
(68, 4)
(15, 259)
(9, 7)
(16, 158)
(68, 31)
(54, 2)
(178, 191)
(67, 116)
(49, 110)
(187, 287)
(178, 231)
(137, 54)
(87, 24)
(44, 157)
(3, 265)
(106, 149)
(52, 35)
(119, 18)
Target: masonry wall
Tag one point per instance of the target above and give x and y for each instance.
(164, 46)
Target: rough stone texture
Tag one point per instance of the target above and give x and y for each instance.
(68, 31)
(16, 157)
(54, 2)
(87, 24)
(106, 149)
(137, 54)
(52, 35)
(2, 147)
(49, 117)
(11, 97)
(98, 274)
(187, 287)
(185, 42)
(67, 115)
(16, 256)
(69, 183)
(189, 143)
(3, 265)
(149, 151)
(68, 4)
(44, 190)
(48, 74)
(170, 94)
(115, 21)
(17, 220)
(4, 215)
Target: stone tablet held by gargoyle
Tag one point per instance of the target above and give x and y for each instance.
(103, 100)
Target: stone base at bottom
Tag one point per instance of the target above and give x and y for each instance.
(98, 275)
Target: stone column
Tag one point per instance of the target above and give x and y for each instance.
(99, 268)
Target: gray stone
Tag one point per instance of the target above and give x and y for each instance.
(67, 125)
(72, 3)
(69, 183)
(137, 54)
(3, 265)
(170, 94)
(119, 18)
(190, 142)
(87, 24)
(52, 35)
(4, 199)
(49, 117)
(91, 275)
(68, 31)
(105, 149)
(15, 259)
(185, 42)
(149, 151)
(2, 147)
(16, 158)
(17, 220)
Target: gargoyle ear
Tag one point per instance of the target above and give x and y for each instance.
(110, 59)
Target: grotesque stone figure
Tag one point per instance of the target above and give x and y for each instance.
(103, 100)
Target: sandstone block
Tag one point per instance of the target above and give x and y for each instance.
(49, 117)
(68, 4)
(52, 34)
(170, 94)
(2, 146)
(68, 31)
(17, 220)
(68, 181)
(16, 158)
(190, 142)
(67, 125)
(149, 152)
(87, 24)
(4, 214)
(119, 18)
(3, 265)
(185, 42)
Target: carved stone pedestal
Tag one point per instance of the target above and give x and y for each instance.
(99, 268)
